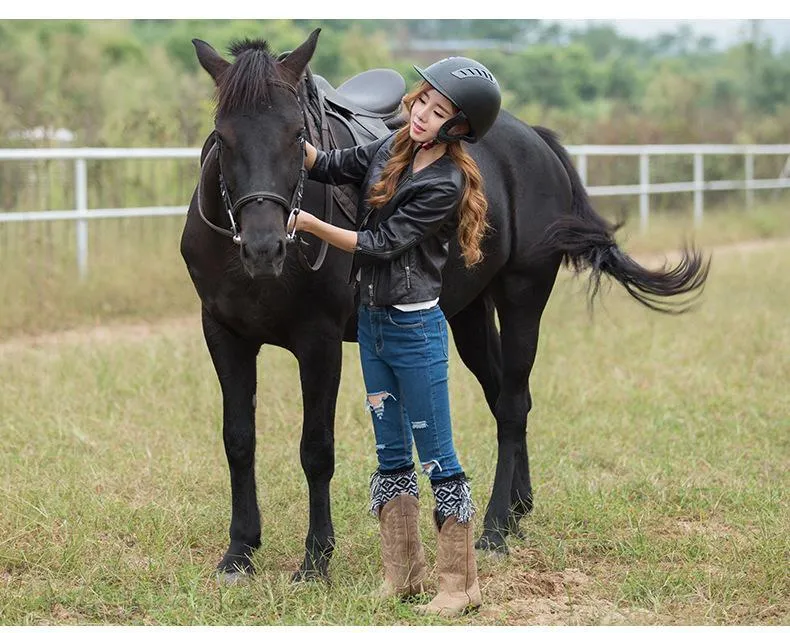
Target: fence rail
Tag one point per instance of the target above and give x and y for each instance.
(82, 213)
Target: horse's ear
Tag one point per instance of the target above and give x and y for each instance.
(210, 59)
(297, 59)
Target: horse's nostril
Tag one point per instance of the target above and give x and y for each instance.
(280, 248)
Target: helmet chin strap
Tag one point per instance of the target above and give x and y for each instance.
(443, 136)
(430, 144)
(444, 130)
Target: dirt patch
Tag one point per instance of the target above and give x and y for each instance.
(525, 590)
(564, 610)
(543, 597)
(61, 614)
(102, 334)
(709, 528)
(547, 584)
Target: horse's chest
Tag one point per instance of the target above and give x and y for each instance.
(248, 312)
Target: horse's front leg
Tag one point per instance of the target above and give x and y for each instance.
(234, 362)
(319, 351)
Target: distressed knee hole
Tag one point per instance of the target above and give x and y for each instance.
(428, 467)
(419, 424)
(375, 402)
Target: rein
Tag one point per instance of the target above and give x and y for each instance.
(294, 206)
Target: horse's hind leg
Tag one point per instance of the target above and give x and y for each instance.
(520, 299)
(234, 362)
(319, 351)
(477, 341)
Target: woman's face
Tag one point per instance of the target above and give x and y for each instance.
(428, 113)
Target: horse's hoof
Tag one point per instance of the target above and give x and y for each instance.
(517, 533)
(492, 547)
(308, 575)
(230, 578)
(494, 555)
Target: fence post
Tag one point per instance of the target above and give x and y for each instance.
(749, 178)
(583, 168)
(699, 182)
(644, 195)
(81, 206)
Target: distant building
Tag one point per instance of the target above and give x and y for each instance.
(51, 136)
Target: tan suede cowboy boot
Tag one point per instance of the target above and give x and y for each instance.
(456, 567)
(402, 554)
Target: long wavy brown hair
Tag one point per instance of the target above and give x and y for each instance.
(472, 209)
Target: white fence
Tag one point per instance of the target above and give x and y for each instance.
(698, 185)
(82, 213)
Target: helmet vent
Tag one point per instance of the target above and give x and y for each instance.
(471, 71)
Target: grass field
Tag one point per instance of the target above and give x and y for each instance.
(659, 446)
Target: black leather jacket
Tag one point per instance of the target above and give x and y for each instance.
(402, 246)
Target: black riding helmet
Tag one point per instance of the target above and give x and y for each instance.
(472, 89)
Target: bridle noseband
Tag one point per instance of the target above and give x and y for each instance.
(232, 209)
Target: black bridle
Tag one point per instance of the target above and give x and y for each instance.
(232, 209)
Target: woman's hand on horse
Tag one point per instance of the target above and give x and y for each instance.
(302, 220)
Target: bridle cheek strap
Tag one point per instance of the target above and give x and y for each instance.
(233, 209)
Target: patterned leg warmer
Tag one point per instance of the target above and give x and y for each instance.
(453, 498)
(385, 487)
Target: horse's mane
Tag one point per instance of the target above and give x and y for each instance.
(244, 85)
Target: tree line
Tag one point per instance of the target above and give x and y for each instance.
(138, 83)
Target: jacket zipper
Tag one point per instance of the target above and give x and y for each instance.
(371, 292)
(371, 289)
(365, 219)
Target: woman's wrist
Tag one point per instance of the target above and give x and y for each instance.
(306, 222)
(341, 238)
(310, 154)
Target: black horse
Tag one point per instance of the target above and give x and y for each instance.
(255, 288)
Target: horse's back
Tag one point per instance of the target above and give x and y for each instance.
(522, 175)
(527, 188)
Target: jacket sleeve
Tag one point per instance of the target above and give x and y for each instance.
(412, 222)
(344, 166)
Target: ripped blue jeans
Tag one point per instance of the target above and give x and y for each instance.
(404, 365)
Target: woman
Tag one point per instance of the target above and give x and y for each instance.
(420, 186)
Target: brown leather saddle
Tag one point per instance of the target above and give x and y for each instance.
(369, 103)
(367, 106)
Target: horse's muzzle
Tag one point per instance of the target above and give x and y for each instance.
(263, 258)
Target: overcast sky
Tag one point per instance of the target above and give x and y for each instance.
(725, 32)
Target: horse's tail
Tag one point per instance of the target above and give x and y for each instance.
(587, 240)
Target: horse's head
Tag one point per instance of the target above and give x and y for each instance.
(258, 130)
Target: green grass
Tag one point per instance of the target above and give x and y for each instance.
(136, 272)
(721, 225)
(659, 447)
